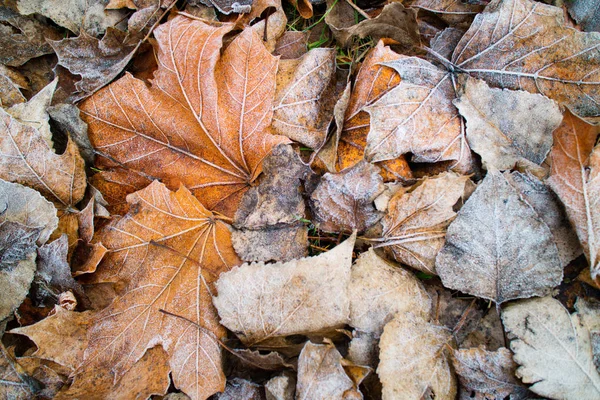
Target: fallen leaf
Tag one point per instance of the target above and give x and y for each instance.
(414, 226)
(297, 297)
(575, 165)
(372, 82)
(75, 15)
(304, 7)
(413, 359)
(548, 207)
(378, 291)
(589, 315)
(27, 207)
(165, 254)
(66, 118)
(508, 128)
(417, 116)
(267, 223)
(240, 389)
(452, 11)
(487, 375)
(395, 22)
(49, 374)
(272, 361)
(525, 45)
(292, 44)
(11, 83)
(173, 130)
(228, 6)
(15, 384)
(585, 13)
(344, 202)
(498, 247)
(488, 333)
(282, 387)
(542, 331)
(23, 38)
(304, 101)
(321, 375)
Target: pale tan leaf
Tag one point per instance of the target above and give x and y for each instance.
(489, 374)
(574, 178)
(498, 247)
(292, 44)
(281, 387)
(508, 128)
(344, 202)
(552, 348)
(415, 223)
(321, 375)
(165, 254)
(261, 301)
(414, 360)
(452, 11)
(240, 389)
(304, 100)
(525, 45)
(205, 127)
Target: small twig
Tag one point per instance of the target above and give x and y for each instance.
(319, 248)
(358, 9)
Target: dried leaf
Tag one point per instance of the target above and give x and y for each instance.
(378, 291)
(11, 83)
(282, 387)
(498, 247)
(488, 333)
(23, 38)
(292, 44)
(542, 333)
(414, 226)
(27, 207)
(175, 131)
(395, 22)
(298, 297)
(273, 244)
(67, 119)
(304, 101)
(452, 11)
(344, 202)
(321, 375)
(228, 6)
(508, 128)
(372, 82)
(525, 45)
(575, 166)
(417, 116)
(490, 375)
(413, 359)
(272, 361)
(589, 315)
(548, 207)
(51, 375)
(15, 384)
(165, 253)
(586, 13)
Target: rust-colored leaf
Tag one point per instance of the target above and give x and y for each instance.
(574, 178)
(203, 122)
(166, 253)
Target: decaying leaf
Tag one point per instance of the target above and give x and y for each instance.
(378, 291)
(552, 348)
(51, 376)
(575, 168)
(589, 315)
(282, 387)
(98, 62)
(292, 44)
(240, 389)
(344, 202)
(22, 38)
(452, 11)
(498, 247)
(489, 374)
(267, 223)
(414, 226)
(67, 119)
(508, 128)
(395, 22)
(298, 297)
(372, 82)
(417, 116)
(525, 45)
(176, 129)
(321, 375)
(413, 360)
(586, 13)
(15, 383)
(165, 253)
(304, 100)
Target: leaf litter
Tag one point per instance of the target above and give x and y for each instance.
(301, 200)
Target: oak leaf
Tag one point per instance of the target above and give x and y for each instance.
(415, 223)
(302, 296)
(165, 254)
(177, 129)
(574, 178)
(542, 331)
(508, 128)
(525, 45)
(414, 359)
(498, 247)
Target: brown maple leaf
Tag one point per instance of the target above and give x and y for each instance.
(166, 253)
(203, 122)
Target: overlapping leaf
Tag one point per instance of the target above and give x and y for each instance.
(203, 122)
